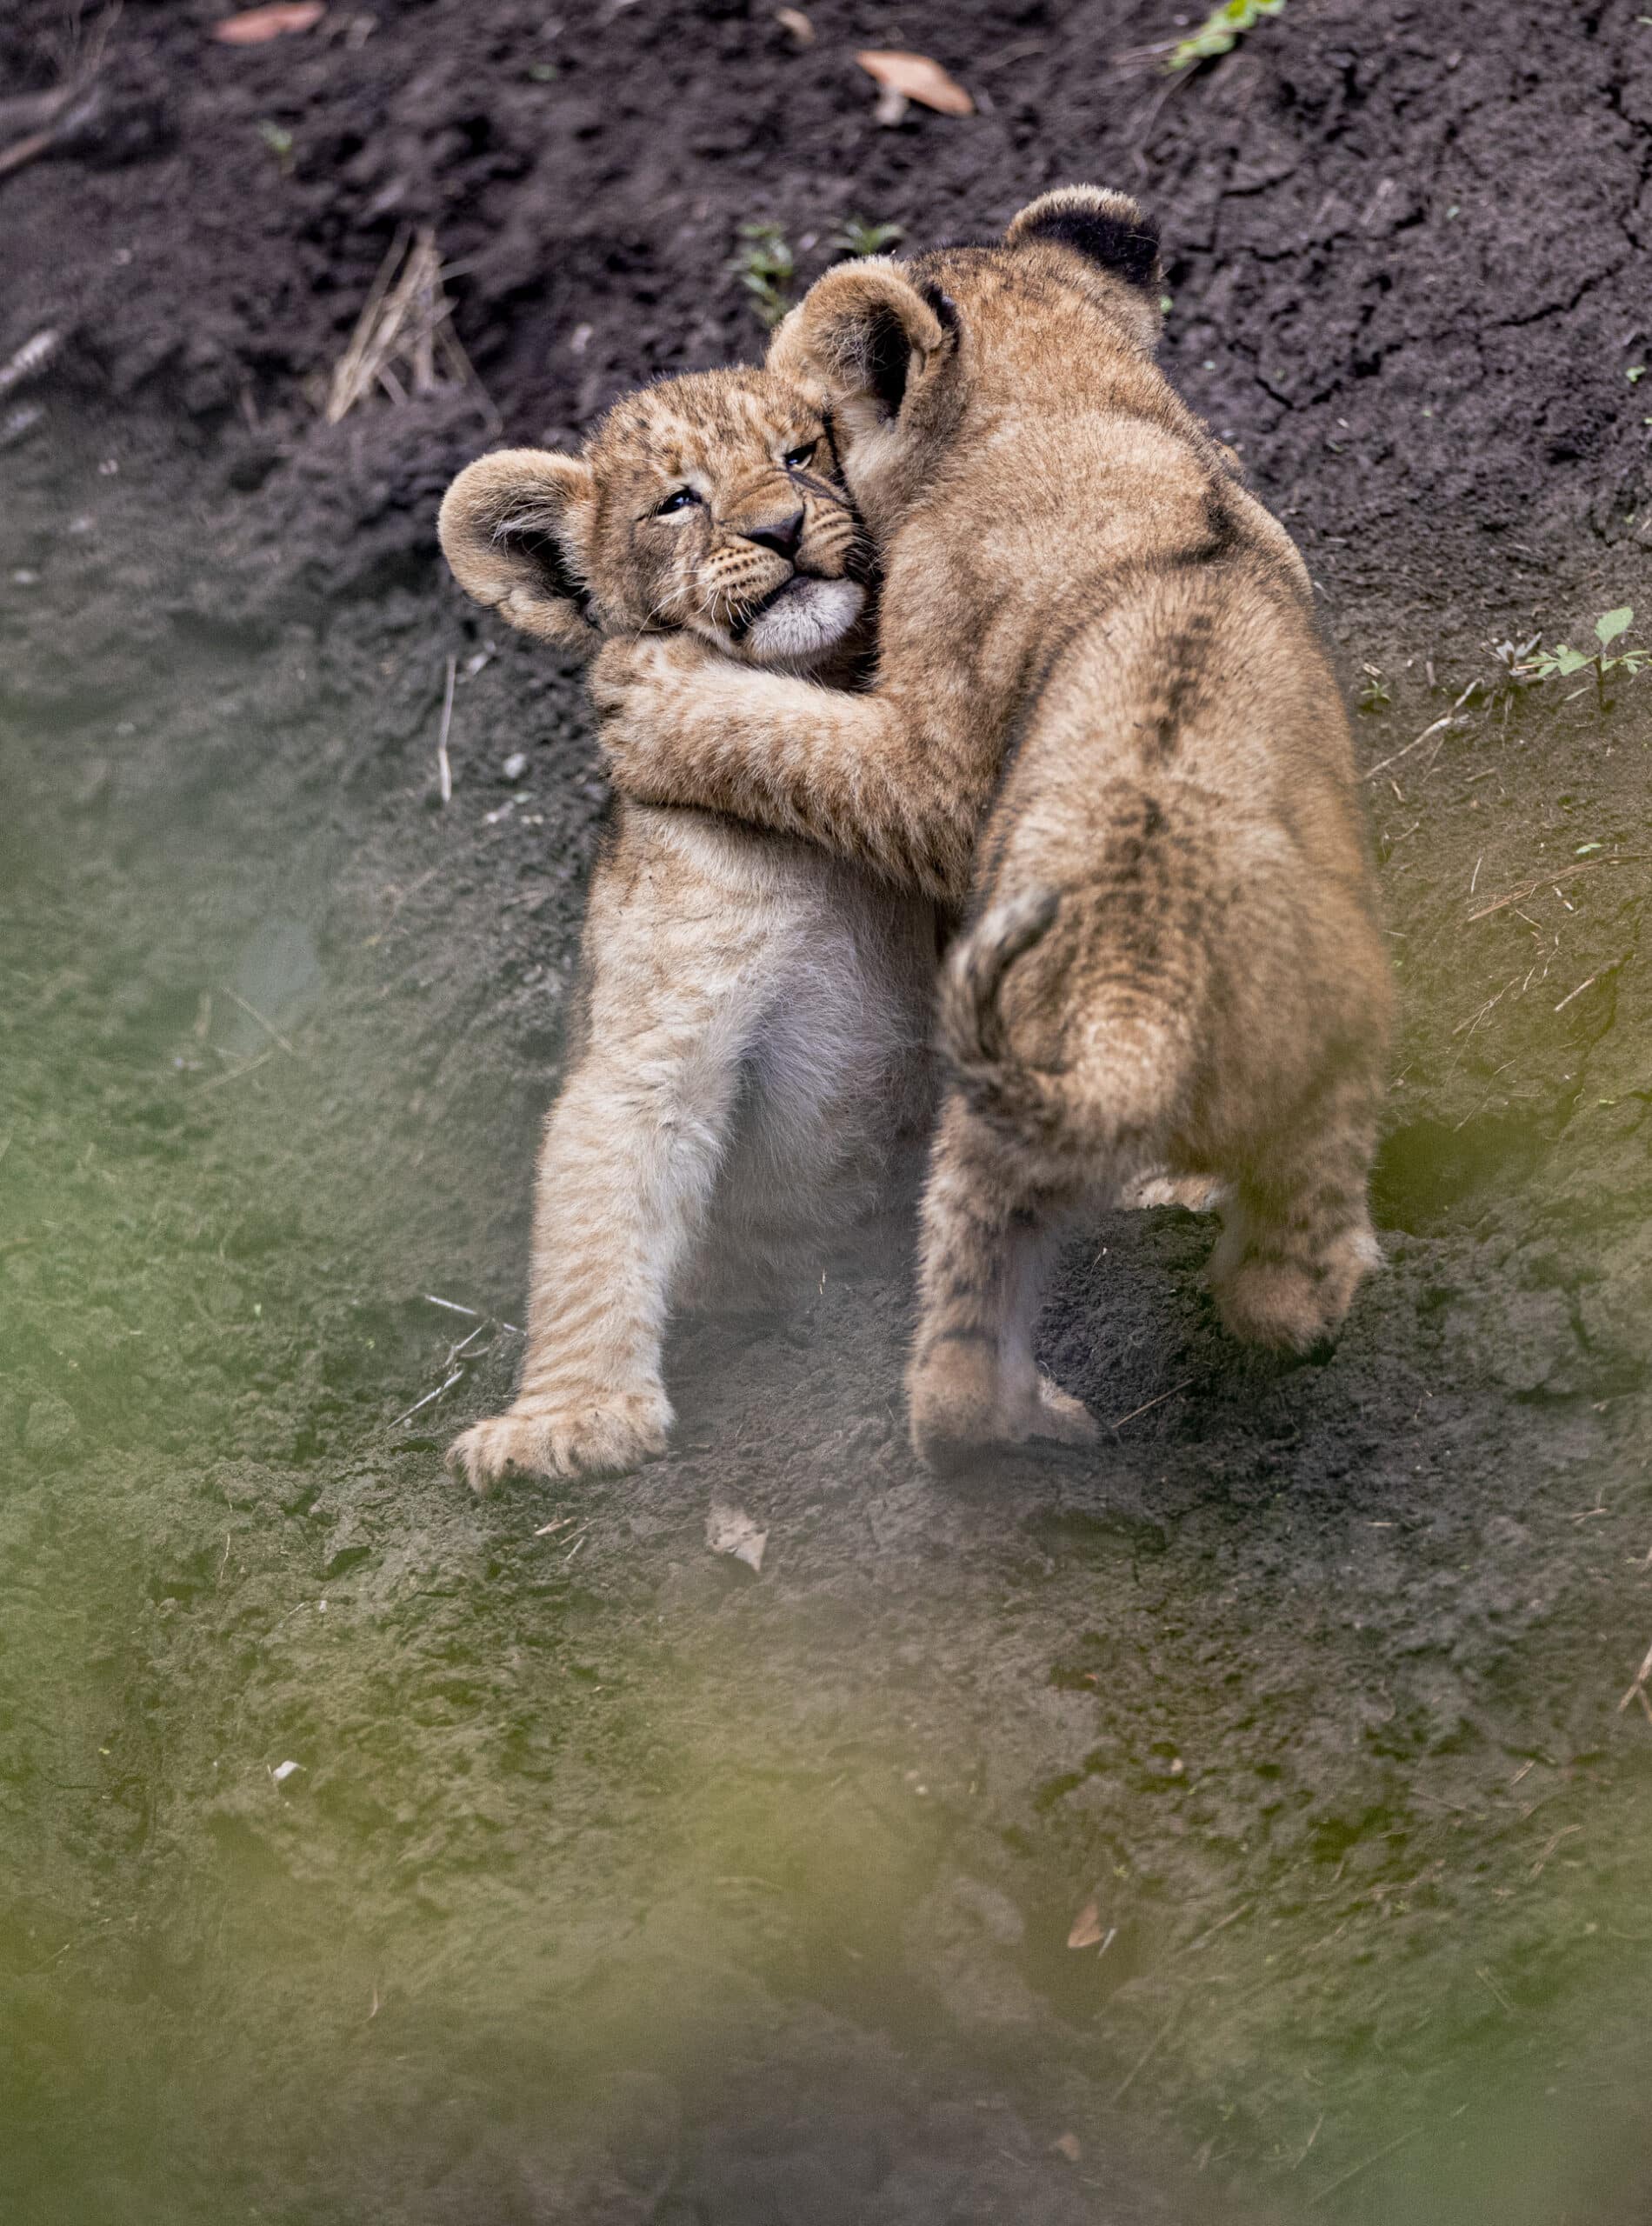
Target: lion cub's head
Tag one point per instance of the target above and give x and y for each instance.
(710, 503)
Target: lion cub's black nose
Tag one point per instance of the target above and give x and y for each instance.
(782, 534)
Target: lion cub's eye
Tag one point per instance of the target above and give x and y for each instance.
(681, 498)
(794, 459)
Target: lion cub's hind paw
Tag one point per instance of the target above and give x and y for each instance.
(961, 1416)
(603, 1434)
(1290, 1307)
(1060, 1416)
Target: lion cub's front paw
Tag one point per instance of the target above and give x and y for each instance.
(637, 686)
(599, 1433)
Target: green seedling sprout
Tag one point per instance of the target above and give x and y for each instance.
(1536, 664)
(1221, 31)
(855, 236)
(765, 267)
(279, 140)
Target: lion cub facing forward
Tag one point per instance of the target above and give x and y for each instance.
(753, 1011)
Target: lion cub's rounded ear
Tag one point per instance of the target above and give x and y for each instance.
(867, 334)
(515, 528)
(1106, 228)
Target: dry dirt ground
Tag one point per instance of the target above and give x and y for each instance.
(614, 1883)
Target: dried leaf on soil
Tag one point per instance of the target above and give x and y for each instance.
(1087, 1927)
(256, 26)
(912, 77)
(731, 1530)
(795, 20)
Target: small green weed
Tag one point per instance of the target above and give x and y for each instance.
(1373, 691)
(1221, 31)
(765, 267)
(1536, 664)
(855, 236)
(279, 140)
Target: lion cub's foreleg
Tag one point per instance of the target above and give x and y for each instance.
(677, 973)
(626, 1171)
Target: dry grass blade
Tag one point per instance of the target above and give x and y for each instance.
(1639, 1687)
(443, 764)
(1543, 880)
(1438, 727)
(405, 327)
(30, 360)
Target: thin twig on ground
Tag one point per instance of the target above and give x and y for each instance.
(1149, 1404)
(234, 1074)
(68, 106)
(269, 1027)
(429, 1397)
(1639, 1686)
(1364, 2165)
(1578, 992)
(443, 769)
(1147, 2056)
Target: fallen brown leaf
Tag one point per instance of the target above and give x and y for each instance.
(1087, 1927)
(731, 1530)
(1070, 2147)
(913, 78)
(254, 26)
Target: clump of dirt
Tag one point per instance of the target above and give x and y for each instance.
(609, 1881)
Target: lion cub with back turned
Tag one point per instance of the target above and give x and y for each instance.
(1103, 715)
(754, 1013)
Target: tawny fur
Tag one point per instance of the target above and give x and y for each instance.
(1105, 719)
(753, 1012)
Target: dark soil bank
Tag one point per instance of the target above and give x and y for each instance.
(368, 1853)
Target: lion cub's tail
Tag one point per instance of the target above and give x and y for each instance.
(1129, 1033)
(972, 1027)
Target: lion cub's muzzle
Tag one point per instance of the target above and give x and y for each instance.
(784, 588)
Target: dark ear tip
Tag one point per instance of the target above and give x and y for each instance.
(1107, 229)
(945, 308)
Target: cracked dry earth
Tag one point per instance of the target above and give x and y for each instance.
(613, 1881)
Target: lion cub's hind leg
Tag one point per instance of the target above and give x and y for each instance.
(988, 1245)
(1296, 1240)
